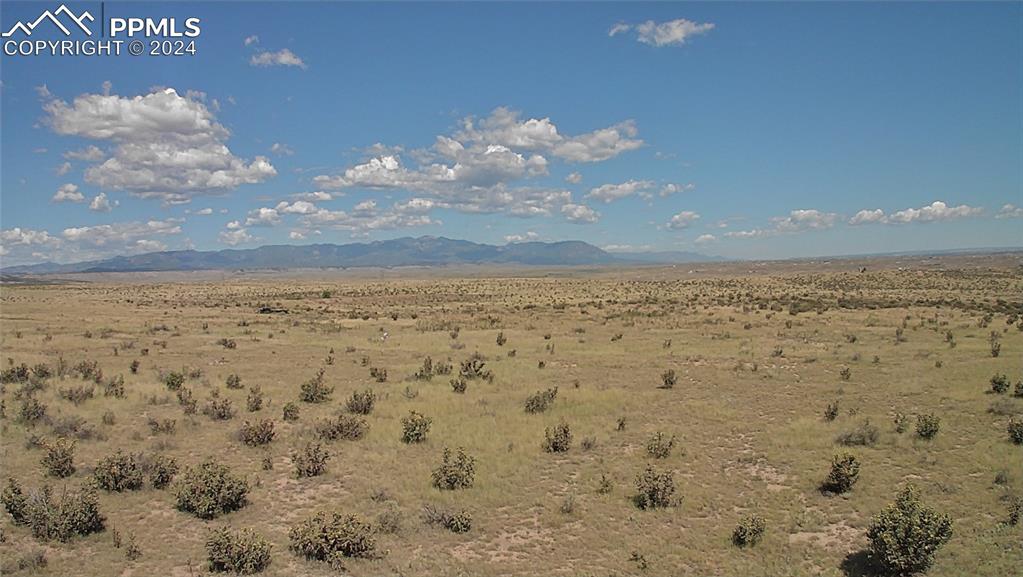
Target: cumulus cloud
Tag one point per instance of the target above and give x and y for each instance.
(68, 193)
(705, 239)
(1010, 211)
(574, 178)
(283, 57)
(799, 220)
(86, 242)
(528, 237)
(580, 214)
(250, 40)
(673, 188)
(281, 149)
(90, 153)
(936, 211)
(63, 169)
(202, 211)
(684, 219)
(609, 192)
(235, 236)
(669, 33)
(168, 146)
(316, 196)
(100, 203)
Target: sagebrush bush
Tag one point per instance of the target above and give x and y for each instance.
(290, 412)
(831, 411)
(864, 434)
(459, 385)
(415, 427)
(310, 460)
(332, 538)
(219, 409)
(845, 471)
(315, 390)
(210, 490)
(345, 427)
(541, 400)
(161, 469)
(258, 433)
(906, 535)
(31, 411)
(361, 403)
(557, 439)
(655, 489)
(927, 425)
(242, 552)
(58, 458)
(458, 472)
(114, 387)
(233, 381)
(999, 384)
(668, 379)
(659, 445)
(74, 513)
(475, 368)
(254, 400)
(455, 521)
(14, 501)
(1016, 431)
(173, 380)
(119, 472)
(749, 531)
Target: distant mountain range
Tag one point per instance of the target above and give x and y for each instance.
(422, 251)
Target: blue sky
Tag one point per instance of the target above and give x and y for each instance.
(762, 130)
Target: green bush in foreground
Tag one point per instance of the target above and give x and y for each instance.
(210, 490)
(241, 552)
(332, 538)
(749, 531)
(906, 535)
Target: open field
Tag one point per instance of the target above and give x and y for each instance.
(757, 358)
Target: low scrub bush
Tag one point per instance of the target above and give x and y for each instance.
(210, 490)
(540, 401)
(865, 434)
(659, 446)
(290, 412)
(557, 439)
(415, 427)
(749, 531)
(58, 458)
(455, 521)
(927, 425)
(345, 427)
(845, 470)
(310, 460)
(361, 403)
(315, 390)
(906, 535)
(240, 552)
(54, 519)
(258, 433)
(119, 472)
(332, 538)
(655, 489)
(1016, 431)
(458, 472)
(161, 470)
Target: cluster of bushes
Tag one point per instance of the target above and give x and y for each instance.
(210, 490)
(332, 538)
(52, 518)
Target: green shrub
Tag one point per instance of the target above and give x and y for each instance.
(668, 379)
(557, 439)
(459, 385)
(119, 472)
(290, 412)
(114, 387)
(210, 490)
(219, 409)
(749, 531)
(77, 394)
(310, 461)
(377, 374)
(655, 489)
(346, 427)
(242, 552)
(31, 411)
(845, 471)
(361, 403)
(161, 470)
(541, 400)
(173, 380)
(415, 427)
(475, 368)
(864, 435)
(1016, 431)
(58, 458)
(659, 446)
(455, 473)
(74, 513)
(927, 425)
(234, 381)
(254, 401)
(258, 433)
(831, 411)
(454, 521)
(906, 535)
(315, 390)
(901, 422)
(999, 384)
(333, 538)
(14, 501)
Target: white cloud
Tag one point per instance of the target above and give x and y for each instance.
(203, 211)
(86, 242)
(805, 219)
(89, 153)
(936, 211)
(600, 144)
(1010, 211)
(705, 239)
(235, 236)
(574, 178)
(121, 234)
(296, 235)
(168, 146)
(281, 149)
(250, 40)
(264, 216)
(672, 188)
(867, 217)
(63, 169)
(317, 196)
(283, 57)
(68, 193)
(580, 214)
(669, 33)
(528, 237)
(627, 248)
(684, 219)
(100, 203)
(610, 192)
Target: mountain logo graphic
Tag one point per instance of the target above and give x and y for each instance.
(28, 28)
